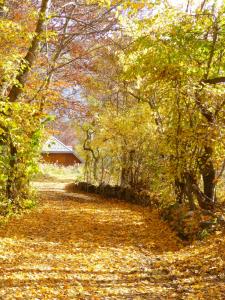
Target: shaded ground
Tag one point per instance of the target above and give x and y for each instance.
(78, 246)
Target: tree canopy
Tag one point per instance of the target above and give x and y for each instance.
(158, 113)
(144, 81)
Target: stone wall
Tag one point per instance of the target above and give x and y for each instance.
(124, 193)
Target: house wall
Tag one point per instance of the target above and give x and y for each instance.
(65, 159)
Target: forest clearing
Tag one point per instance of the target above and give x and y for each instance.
(79, 246)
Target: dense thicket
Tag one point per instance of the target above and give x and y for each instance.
(157, 103)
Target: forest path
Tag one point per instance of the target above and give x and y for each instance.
(79, 246)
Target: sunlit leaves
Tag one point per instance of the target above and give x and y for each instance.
(166, 54)
(25, 139)
(90, 247)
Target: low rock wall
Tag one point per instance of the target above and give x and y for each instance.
(124, 193)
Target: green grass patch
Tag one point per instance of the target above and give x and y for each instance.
(54, 172)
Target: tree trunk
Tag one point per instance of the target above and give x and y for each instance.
(179, 190)
(127, 176)
(124, 177)
(190, 179)
(30, 57)
(184, 189)
(10, 193)
(208, 176)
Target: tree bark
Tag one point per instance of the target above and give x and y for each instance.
(10, 181)
(184, 189)
(207, 198)
(208, 175)
(179, 190)
(29, 59)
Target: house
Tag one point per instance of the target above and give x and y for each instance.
(55, 152)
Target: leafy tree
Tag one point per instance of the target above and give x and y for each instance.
(42, 46)
(172, 59)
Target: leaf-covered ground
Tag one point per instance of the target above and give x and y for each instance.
(83, 247)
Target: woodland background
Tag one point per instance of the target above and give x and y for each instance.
(141, 84)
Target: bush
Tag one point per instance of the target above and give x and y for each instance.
(19, 152)
(191, 225)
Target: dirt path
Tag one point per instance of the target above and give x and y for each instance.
(77, 246)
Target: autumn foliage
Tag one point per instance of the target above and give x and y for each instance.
(142, 84)
(45, 50)
(156, 104)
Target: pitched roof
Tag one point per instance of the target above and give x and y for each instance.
(53, 145)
